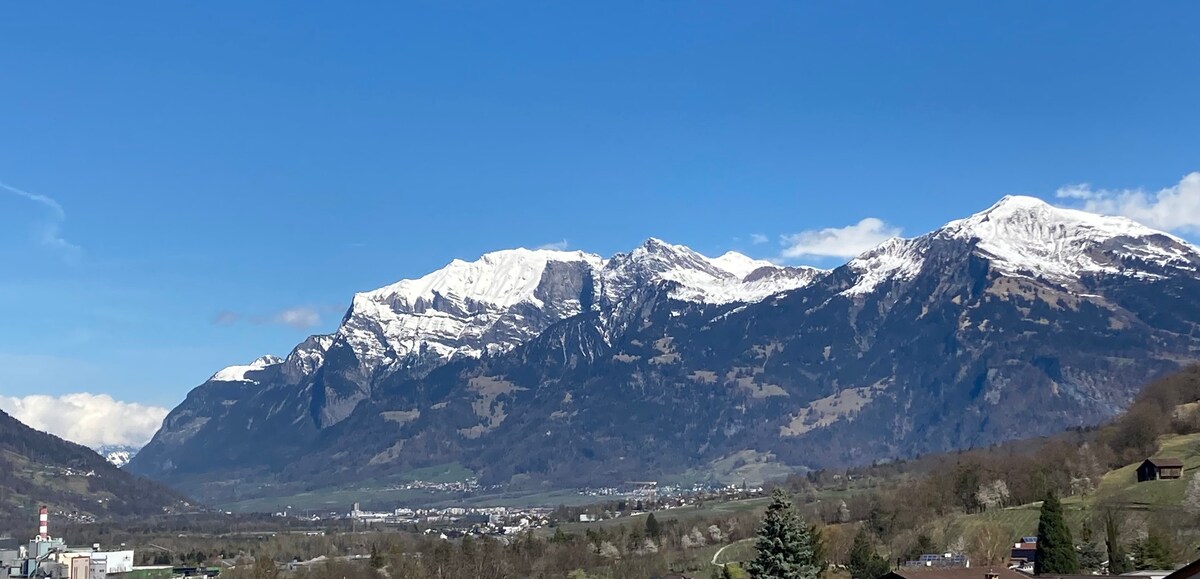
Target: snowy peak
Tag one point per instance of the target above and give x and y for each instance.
(1035, 220)
(306, 357)
(1028, 237)
(500, 278)
(117, 455)
(466, 308)
(732, 277)
(238, 373)
(660, 257)
(740, 265)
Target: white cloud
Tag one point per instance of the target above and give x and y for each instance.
(844, 242)
(758, 238)
(88, 419)
(559, 245)
(301, 318)
(49, 232)
(1175, 208)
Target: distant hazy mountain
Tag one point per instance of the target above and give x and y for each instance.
(565, 367)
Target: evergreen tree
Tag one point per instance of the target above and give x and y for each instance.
(376, 560)
(653, 530)
(1091, 558)
(784, 545)
(818, 543)
(1154, 552)
(1055, 549)
(923, 546)
(729, 571)
(864, 562)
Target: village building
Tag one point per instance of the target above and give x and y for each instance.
(1023, 553)
(940, 560)
(1159, 469)
(954, 573)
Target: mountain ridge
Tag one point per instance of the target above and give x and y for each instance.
(1023, 317)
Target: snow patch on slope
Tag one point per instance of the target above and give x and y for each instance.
(238, 373)
(896, 258)
(739, 265)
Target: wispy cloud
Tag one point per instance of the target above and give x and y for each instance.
(88, 419)
(226, 318)
(49, 231)
(301, 318)
(1175, 208)
(758, 238)
(559, 245)
(844, 242)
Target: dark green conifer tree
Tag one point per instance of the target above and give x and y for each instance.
(1091, 558)
(1156, 551)
(1055, 549)
(785, 545)
(653, 529)
(864, 562)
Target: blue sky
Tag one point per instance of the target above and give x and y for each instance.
(268, 160)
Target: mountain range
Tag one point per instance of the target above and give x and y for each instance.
(555, 368)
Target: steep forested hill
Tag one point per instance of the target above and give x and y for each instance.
(40, 469)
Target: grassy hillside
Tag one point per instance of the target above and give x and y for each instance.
(1120, 486)
(76, 483)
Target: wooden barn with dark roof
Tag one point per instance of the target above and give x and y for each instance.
(1159, 469)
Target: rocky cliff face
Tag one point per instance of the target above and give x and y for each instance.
(1021, 320)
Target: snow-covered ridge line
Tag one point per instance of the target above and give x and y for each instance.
(238, 373)
(501, 300)
(1028, 237)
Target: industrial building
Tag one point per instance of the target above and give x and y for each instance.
(47, 557)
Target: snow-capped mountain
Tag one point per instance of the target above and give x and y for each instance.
(1027, 237)
(1020, 320)
(501, 300)
(117, 455)
(239, 373)
(507, 297)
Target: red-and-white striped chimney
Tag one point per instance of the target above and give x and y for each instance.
(43, 524)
